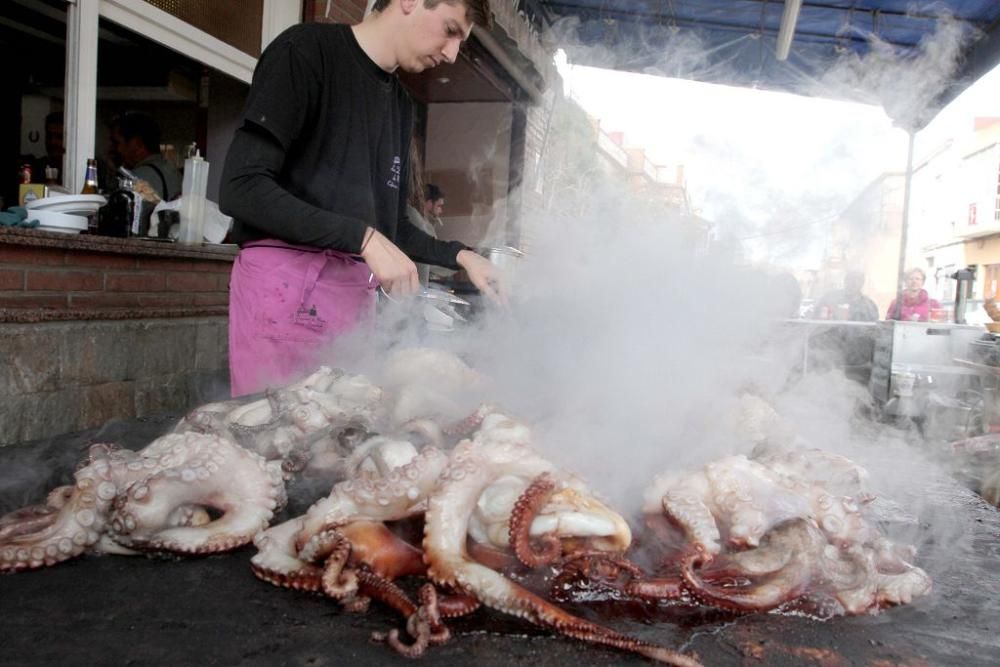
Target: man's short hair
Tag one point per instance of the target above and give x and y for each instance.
(477, 11)
(135, 124)
(432, 192)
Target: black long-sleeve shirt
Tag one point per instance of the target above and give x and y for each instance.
(322, 151)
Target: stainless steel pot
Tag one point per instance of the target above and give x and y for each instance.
(504, 258)
(436, 306)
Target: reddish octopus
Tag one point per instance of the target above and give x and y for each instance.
(785, 531)
(491, 496)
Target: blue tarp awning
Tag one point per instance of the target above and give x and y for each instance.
(733, 41)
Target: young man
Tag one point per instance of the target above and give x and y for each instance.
(315, 181)
(433, 203)
(55, 149)
(135, 144)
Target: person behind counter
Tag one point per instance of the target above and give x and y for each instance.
(917, 304)
(55, 149)
(417, 210)
(135, 144)
(315, 180)
(433, 204)
(848, 303)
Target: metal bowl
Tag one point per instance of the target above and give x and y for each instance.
(505, 258)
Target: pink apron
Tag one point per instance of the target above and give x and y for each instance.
(286, 304)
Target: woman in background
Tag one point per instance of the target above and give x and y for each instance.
(917, 304)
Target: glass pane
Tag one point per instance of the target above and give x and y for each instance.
(33, 38)
(185, 100)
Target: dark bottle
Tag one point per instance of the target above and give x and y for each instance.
(119, 214)
(90, 179)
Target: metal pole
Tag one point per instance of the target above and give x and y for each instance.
(900, 281)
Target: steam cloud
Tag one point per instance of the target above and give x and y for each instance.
(629, 343)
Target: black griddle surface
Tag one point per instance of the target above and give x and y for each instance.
(116, 610)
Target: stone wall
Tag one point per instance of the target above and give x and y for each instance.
(59, 377)
(94, 329)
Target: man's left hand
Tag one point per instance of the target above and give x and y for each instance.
(485, 276)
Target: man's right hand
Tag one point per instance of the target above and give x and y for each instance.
(394, 270)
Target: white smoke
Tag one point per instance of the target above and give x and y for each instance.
(628, 344)
(908, 86)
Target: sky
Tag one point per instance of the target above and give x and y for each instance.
(768, 168)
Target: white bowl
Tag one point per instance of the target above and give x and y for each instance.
(64, 223)
(72, 204)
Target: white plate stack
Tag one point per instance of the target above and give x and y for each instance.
(65, 214)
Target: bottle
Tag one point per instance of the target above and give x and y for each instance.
(90, 180)
(195, 185)
(118, 217)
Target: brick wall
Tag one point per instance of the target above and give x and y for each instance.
(80, 280)
(94, 329)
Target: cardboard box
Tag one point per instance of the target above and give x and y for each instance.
(37, 190)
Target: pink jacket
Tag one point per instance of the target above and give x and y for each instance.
(914, 308)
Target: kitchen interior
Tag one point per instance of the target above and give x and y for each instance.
(134, 73)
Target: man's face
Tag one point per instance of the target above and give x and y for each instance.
(433, 35)
(126, 152)
(434, 207)
(54, 144)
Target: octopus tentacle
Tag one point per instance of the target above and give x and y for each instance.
(27, 520)
(263, 421)
(446, 525)
(471, 422)
(45, 535)
(660, 588)
(202, 470)
(429, 613)
(625, 643)
(424, 625)
(276, 561)
(455, 605)
(777, 572)
(383, 590)
(331, 548)
(581, 571)
(525, 510)
(339, 581)
(414, 650)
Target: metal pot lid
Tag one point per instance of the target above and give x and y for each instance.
(430, 295)
(503, 250)
(440, 296)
